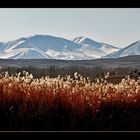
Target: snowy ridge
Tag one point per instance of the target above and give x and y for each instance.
(93, 48)
(133, 49)
(51, 47)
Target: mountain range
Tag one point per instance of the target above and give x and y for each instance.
(51, 47)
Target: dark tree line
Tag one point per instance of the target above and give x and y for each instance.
(54, 71)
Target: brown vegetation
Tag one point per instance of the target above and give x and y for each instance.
(65, 103)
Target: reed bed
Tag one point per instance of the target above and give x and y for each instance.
(66, 103)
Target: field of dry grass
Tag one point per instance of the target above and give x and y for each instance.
(65, 103)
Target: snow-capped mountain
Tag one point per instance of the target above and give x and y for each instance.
(50, 47)
(133, 49)
(94, 49)
(36, 47)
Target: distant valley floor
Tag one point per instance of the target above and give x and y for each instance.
(124, 62)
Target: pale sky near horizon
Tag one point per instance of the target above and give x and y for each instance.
(115, 26)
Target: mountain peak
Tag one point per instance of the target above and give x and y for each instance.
(37, 36)
(132, 49)
(83, 39)
(51, 47)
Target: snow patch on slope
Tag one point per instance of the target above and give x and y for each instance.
(50, 47)
(133, 49)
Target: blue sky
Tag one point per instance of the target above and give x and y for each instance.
(116, 26)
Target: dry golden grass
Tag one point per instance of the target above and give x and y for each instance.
(62, 98)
